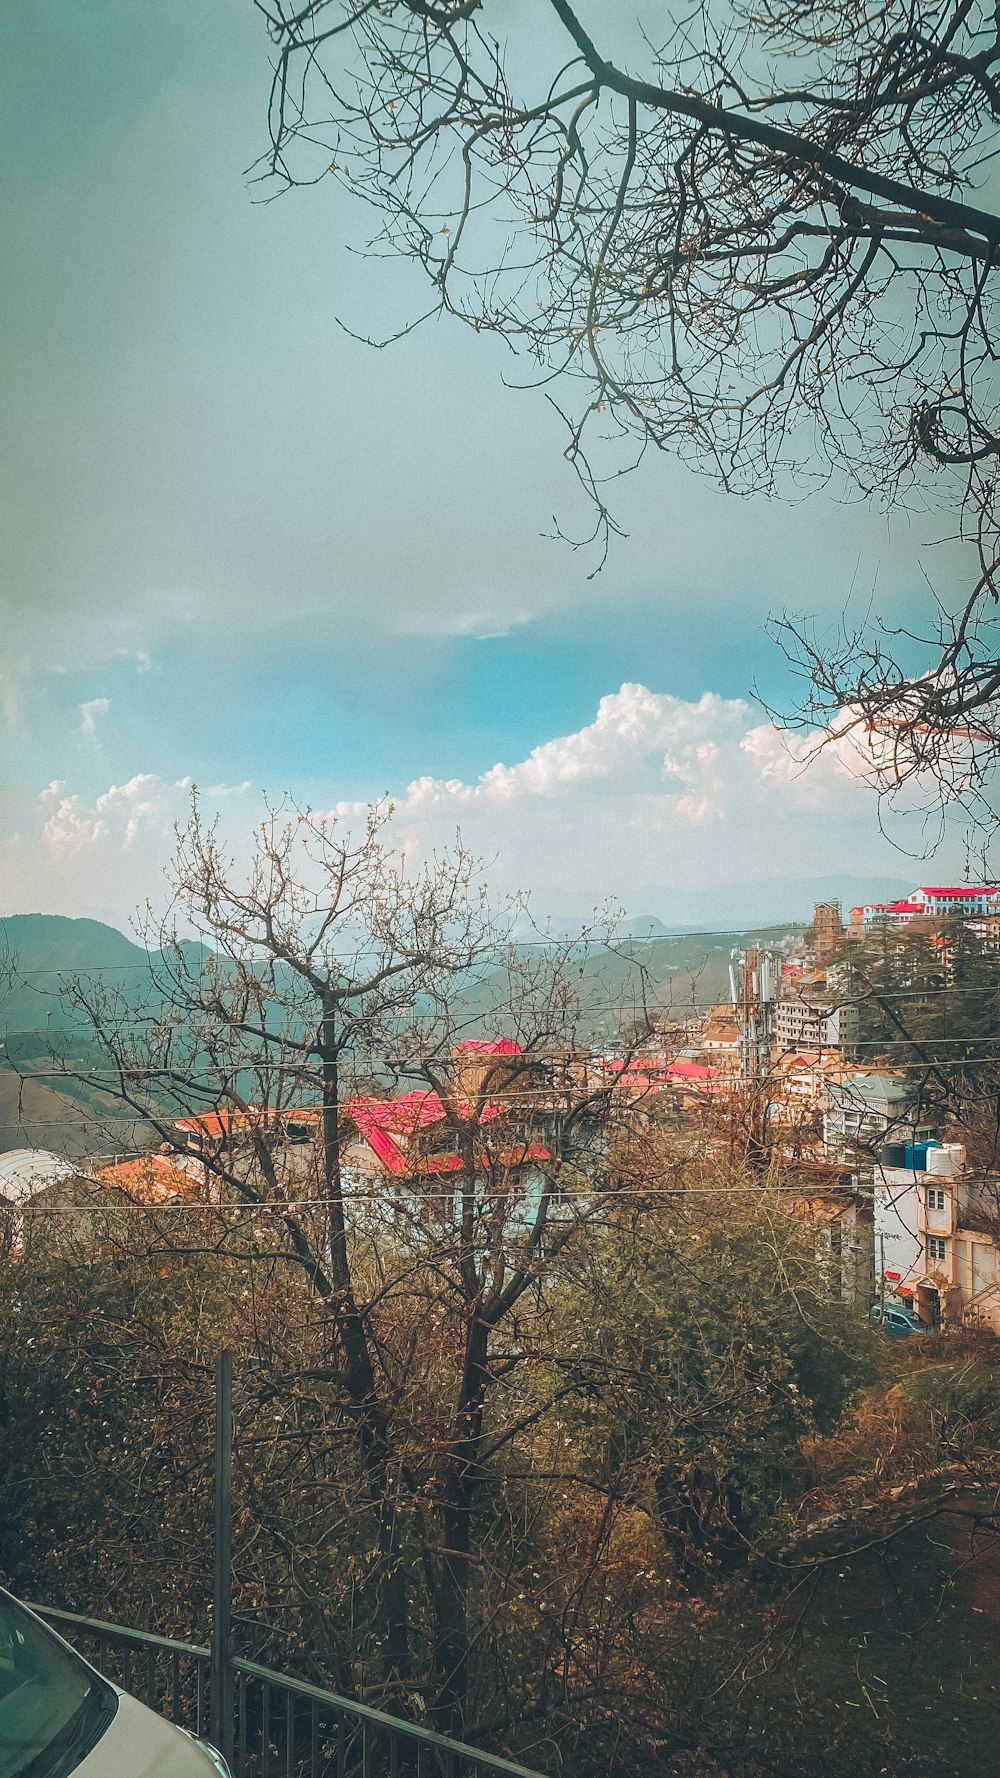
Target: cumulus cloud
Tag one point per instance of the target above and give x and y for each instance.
(62, 852)
(90, 712)
(640, 739)
(658, 789)
(655, 790)
(71, 825)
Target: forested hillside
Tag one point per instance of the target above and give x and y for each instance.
(43, 1105)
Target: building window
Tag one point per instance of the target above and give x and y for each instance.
(937, 1247)
(935, 1198)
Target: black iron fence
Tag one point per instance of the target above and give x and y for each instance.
(280, 1727)
(265, 1724)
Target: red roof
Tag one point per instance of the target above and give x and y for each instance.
(691, 1071)
(983, 889)
(379, 1120)
(485, 1046)
(900, 907)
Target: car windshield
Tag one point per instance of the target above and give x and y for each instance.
(48, 1699)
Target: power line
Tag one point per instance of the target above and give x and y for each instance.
(832, 1052)
(683, 1005)
(567, 942)
(416, 1197)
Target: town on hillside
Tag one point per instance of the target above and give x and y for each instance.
(838, 1065)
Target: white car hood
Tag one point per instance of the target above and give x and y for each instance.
(139, 1744)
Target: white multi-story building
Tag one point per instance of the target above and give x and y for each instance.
(803, 1024)
(936, 1230)
(863, 1107)
(934, 903)
(968, 902)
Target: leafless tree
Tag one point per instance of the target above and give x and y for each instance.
(771, 249)
(317, 979)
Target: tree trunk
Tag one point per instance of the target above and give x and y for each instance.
(359, 1377)
(456, 1496)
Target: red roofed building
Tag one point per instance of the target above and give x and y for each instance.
(487, 1065)
(701, 1074)
(407, 1136)
(962, 901)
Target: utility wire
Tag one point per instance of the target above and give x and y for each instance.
(611, 945)
(691, 1007)
(415, 1198)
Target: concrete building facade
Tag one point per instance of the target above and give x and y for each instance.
(936, 1238)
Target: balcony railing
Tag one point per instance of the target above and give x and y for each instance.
(281, 1727)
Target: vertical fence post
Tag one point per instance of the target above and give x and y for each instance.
(221, 1696)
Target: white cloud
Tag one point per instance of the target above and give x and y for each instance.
(90, 712)
(489, 616)
(656, 790)
(71, 825)
(659, 789)
(105, 854)
(639, 739)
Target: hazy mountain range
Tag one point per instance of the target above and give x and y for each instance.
(731, 905)
(41, 1108)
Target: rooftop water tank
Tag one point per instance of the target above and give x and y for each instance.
(892, 1154)
(947, 1161)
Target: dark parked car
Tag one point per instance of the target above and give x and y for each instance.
(897, 1321)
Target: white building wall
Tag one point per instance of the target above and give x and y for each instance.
(898, 1245)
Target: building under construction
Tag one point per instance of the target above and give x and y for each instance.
(828, 932)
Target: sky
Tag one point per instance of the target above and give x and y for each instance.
(243, 551)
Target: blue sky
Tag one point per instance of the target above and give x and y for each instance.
(242, 548)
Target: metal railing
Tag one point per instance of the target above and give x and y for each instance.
(281, 1727)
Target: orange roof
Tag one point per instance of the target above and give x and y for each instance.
(213, 1123)
(152, 1179)
(224, 1119)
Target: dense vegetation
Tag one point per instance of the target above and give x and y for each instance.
(562, 1438)
(928, 1001)
(712, 1506)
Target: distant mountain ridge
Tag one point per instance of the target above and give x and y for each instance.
(763, 901)
(44, 947)
(39, 1108)
(47, 949)
(649, 967)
